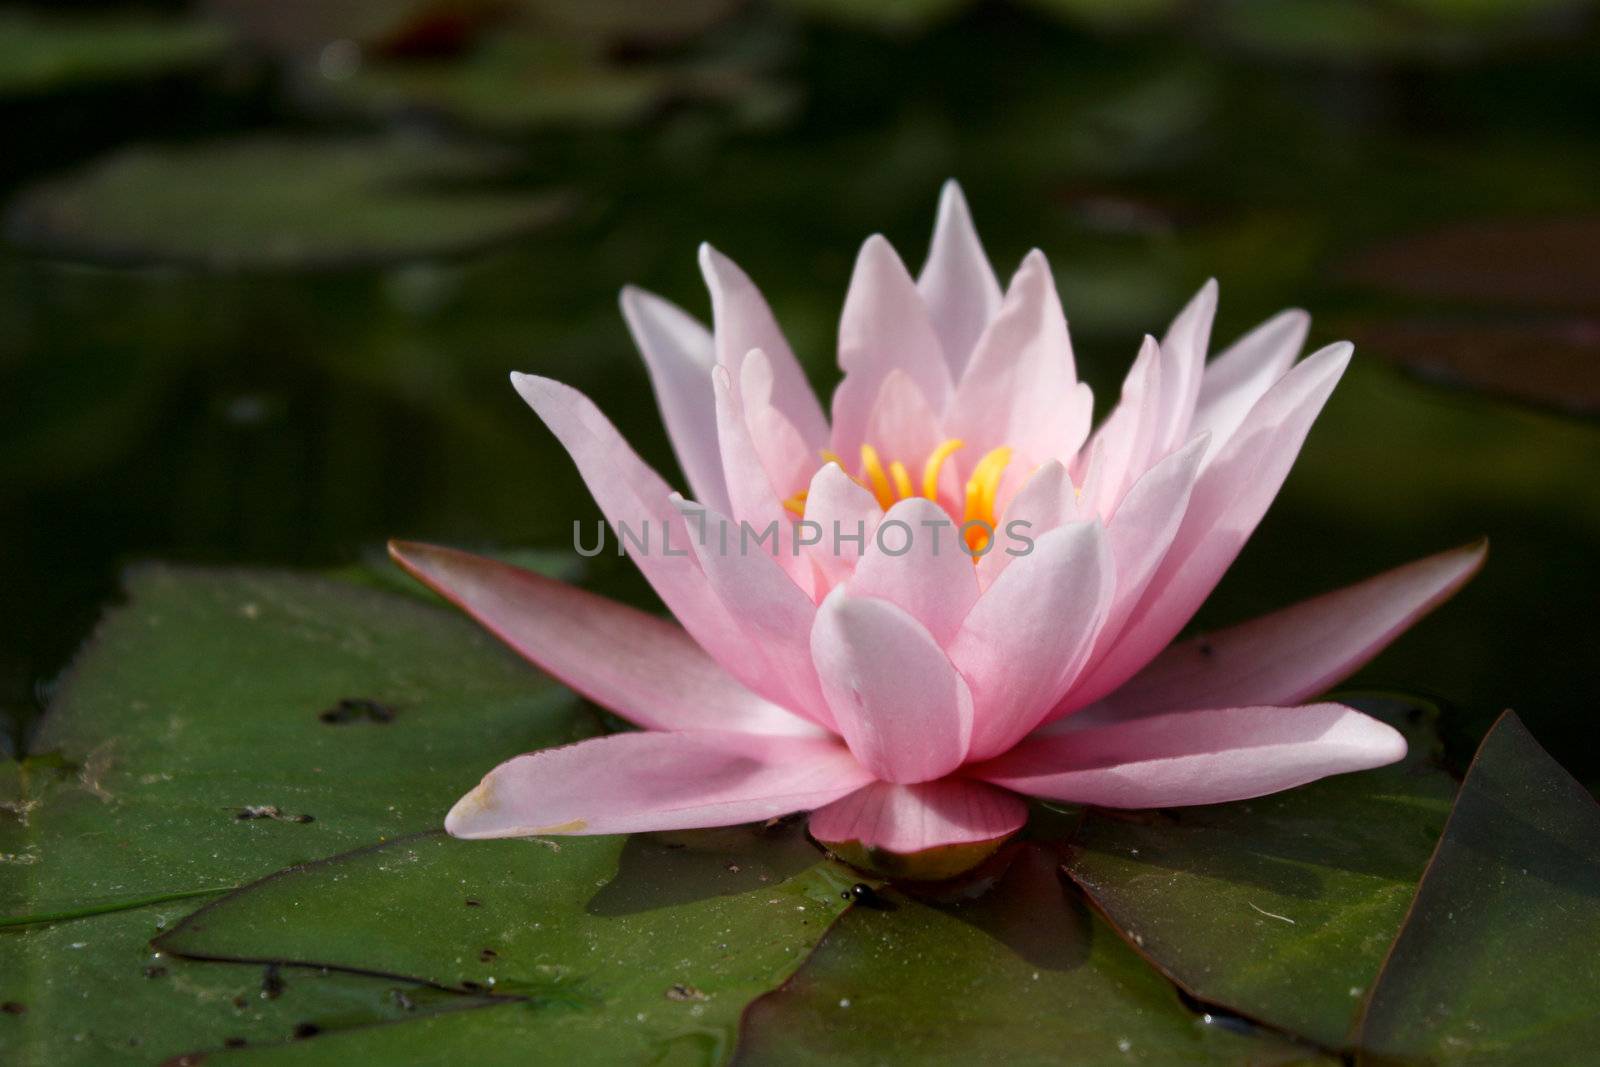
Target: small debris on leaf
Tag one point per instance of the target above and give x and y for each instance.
(271, 983)
(270, 811)
(680, 992)
(357, 709)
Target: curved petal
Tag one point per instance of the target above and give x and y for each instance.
(900, 705)
(743, 321)
(644, 668)
(679, 353)
(957, 283)
(1027, 637)
(884, 328)
(1207, 756)
(915, 560)
(905, 819)
(783, 454)
(630, 494)
(775, 613)
(846, 518)
(901, 425)
(1021, 388)
(1237, 378)
(1046, 500)
(1144, 525)
(635, 782)
(1231, 495)
(1125, 443)
(1183, 357)
(1300, 651)
(756, 500)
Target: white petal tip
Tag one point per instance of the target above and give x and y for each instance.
(467, 818)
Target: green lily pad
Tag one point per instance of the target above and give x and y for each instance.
(1025, 974)
(1280, 908)
(516, 82)
(1496, 962)
(273, 203)
(41, 54)
(92, 992)
(608, 949)
(224, 724)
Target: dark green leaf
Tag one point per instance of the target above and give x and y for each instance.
(1023, 975)
(92, 992)
(38, 55)
(224, 724)
(1497, 961)
(1280, 908)
(620, 950)
(277, 203)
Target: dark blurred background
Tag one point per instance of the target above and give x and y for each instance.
(266, 265)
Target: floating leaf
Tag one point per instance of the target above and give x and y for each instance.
(272, 203)
(1280, 908)
(1023, 974)
(1545, 264)
(1551, 362)
(607, 949)
(41, 54)
(1496, 962)
(516, 82)
(92, 992)
(191, 747)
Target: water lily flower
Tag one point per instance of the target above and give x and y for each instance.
(910, 692)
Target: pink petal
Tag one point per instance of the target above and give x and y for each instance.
(644, 668)
(1025, 640)
(884, 328)
(1300, 651)
(635, 782)
(679, 353)
(1126, 443)
(743, 321)
(957, 283)
(631, 494)
(773, 613)
(900, 705)
(756, 500)
(901, 426)
(1228, 501)
(916, 560)
(1183, 357)
(846, 518)
(1206, 756)
(1145, 524)
(1236, 379)
(788, 462)
(904, 819)
(1046, 500)
(1020, 388)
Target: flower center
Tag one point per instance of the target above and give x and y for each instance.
(892, 483)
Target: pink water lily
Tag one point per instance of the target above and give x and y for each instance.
(910, 692)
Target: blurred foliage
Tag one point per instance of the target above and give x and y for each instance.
(1417, 173)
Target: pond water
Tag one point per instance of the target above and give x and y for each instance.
(265, 270)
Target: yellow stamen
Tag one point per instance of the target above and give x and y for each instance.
(982, 489)
(797, 503)
(902, 480)
(830, 456)
(930, 469)
(877, 480)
